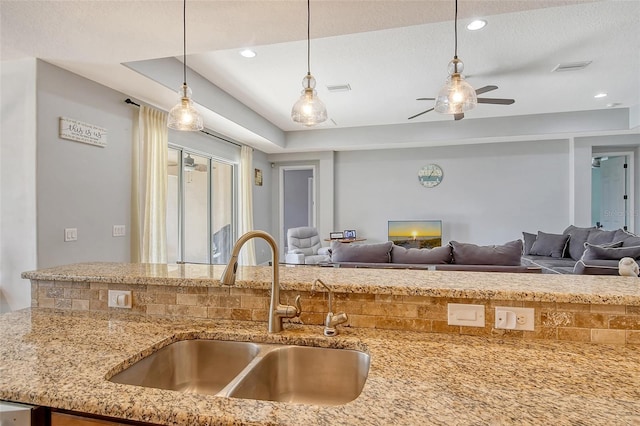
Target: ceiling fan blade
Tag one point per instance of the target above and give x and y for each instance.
(417, 115)
(496, 101)
(426, 99)
(485, 89)
(458, 116)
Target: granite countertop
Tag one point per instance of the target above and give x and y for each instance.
(473, 285)
(61, 358)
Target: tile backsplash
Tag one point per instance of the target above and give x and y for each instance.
(608, 324)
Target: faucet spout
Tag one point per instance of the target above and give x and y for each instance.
(332, 319)
(277, 311)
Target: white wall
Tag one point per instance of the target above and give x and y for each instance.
(490, 193)
(17, 181)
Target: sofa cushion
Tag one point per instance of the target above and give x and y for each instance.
(599, 237)
(577, 238)
(436, 255)
(368, 253)
(596, 267)
(552, 245)
(613, 251)
(508, 254)
(529, 239)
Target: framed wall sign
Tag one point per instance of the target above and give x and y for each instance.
(258, 177)
(78, 131)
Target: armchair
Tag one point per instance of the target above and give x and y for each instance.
(305, 247)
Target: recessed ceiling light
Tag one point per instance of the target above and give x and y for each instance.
(248, 53)
(600, 95)
(477, 25)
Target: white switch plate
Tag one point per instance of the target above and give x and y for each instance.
(70, 234)
(467, 315)
(119, 230)
(119, 299)
(524, 318)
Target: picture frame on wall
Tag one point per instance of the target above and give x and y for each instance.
(336, 235)
(258, 177)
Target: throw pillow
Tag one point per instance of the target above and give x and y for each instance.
(552, 245)
(529, 239)
(609, 252)
(577, 238)
(366, 253)
(599, 237)
(436, 255)
(508, 254)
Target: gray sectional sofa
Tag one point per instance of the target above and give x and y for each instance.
(453, 257)
(587, 251)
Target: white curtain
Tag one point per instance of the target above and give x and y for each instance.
(149, 187)
(245, 205)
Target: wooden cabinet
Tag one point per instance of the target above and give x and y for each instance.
(61, 419)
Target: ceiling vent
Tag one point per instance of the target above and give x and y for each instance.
(571, 66)
(339, 88)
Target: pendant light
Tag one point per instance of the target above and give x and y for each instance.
(456, 96)
(184, 115)
(309, 109)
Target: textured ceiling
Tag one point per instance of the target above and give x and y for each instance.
(390, 52)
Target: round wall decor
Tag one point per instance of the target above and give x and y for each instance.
(430, 175)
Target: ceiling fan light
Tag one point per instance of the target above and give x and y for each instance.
(456, 96)
(184, 116)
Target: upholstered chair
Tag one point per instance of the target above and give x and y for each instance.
(304, 247)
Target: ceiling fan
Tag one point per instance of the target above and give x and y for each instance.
(460, 116)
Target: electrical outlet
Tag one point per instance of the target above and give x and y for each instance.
(119, 299)
(70, 234)
(119, 230)
(511, 318)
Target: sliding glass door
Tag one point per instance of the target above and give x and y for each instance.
(200, 224)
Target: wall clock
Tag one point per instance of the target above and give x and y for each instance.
(430, 175)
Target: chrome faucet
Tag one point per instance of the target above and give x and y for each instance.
(332, 320)
(276, 310)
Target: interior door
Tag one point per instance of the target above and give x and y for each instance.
(613, 192)
(297, 199)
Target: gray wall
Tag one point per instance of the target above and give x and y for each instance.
(262, 206)
(489, 195)
(79, 185)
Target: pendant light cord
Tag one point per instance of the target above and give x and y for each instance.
(455, 26)
(184, 42)
(308, 37)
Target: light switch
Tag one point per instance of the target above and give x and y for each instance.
(467, 315)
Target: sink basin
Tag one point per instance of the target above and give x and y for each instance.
(270, 372)
(304, 374)
(200, 366)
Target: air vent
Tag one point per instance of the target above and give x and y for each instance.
(339, 88)
(571, 66)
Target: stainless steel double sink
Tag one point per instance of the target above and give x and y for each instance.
(271, 372)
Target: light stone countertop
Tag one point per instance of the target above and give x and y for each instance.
(61, 358)
(473, 285)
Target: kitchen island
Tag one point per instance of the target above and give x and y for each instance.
(62, 358)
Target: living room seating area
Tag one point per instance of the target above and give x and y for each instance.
(578, 250)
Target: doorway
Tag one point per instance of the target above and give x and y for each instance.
(297, 199)
(612, 191)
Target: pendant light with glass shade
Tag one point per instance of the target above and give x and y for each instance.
(456, 96)
(309, 109)
(184, 115)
